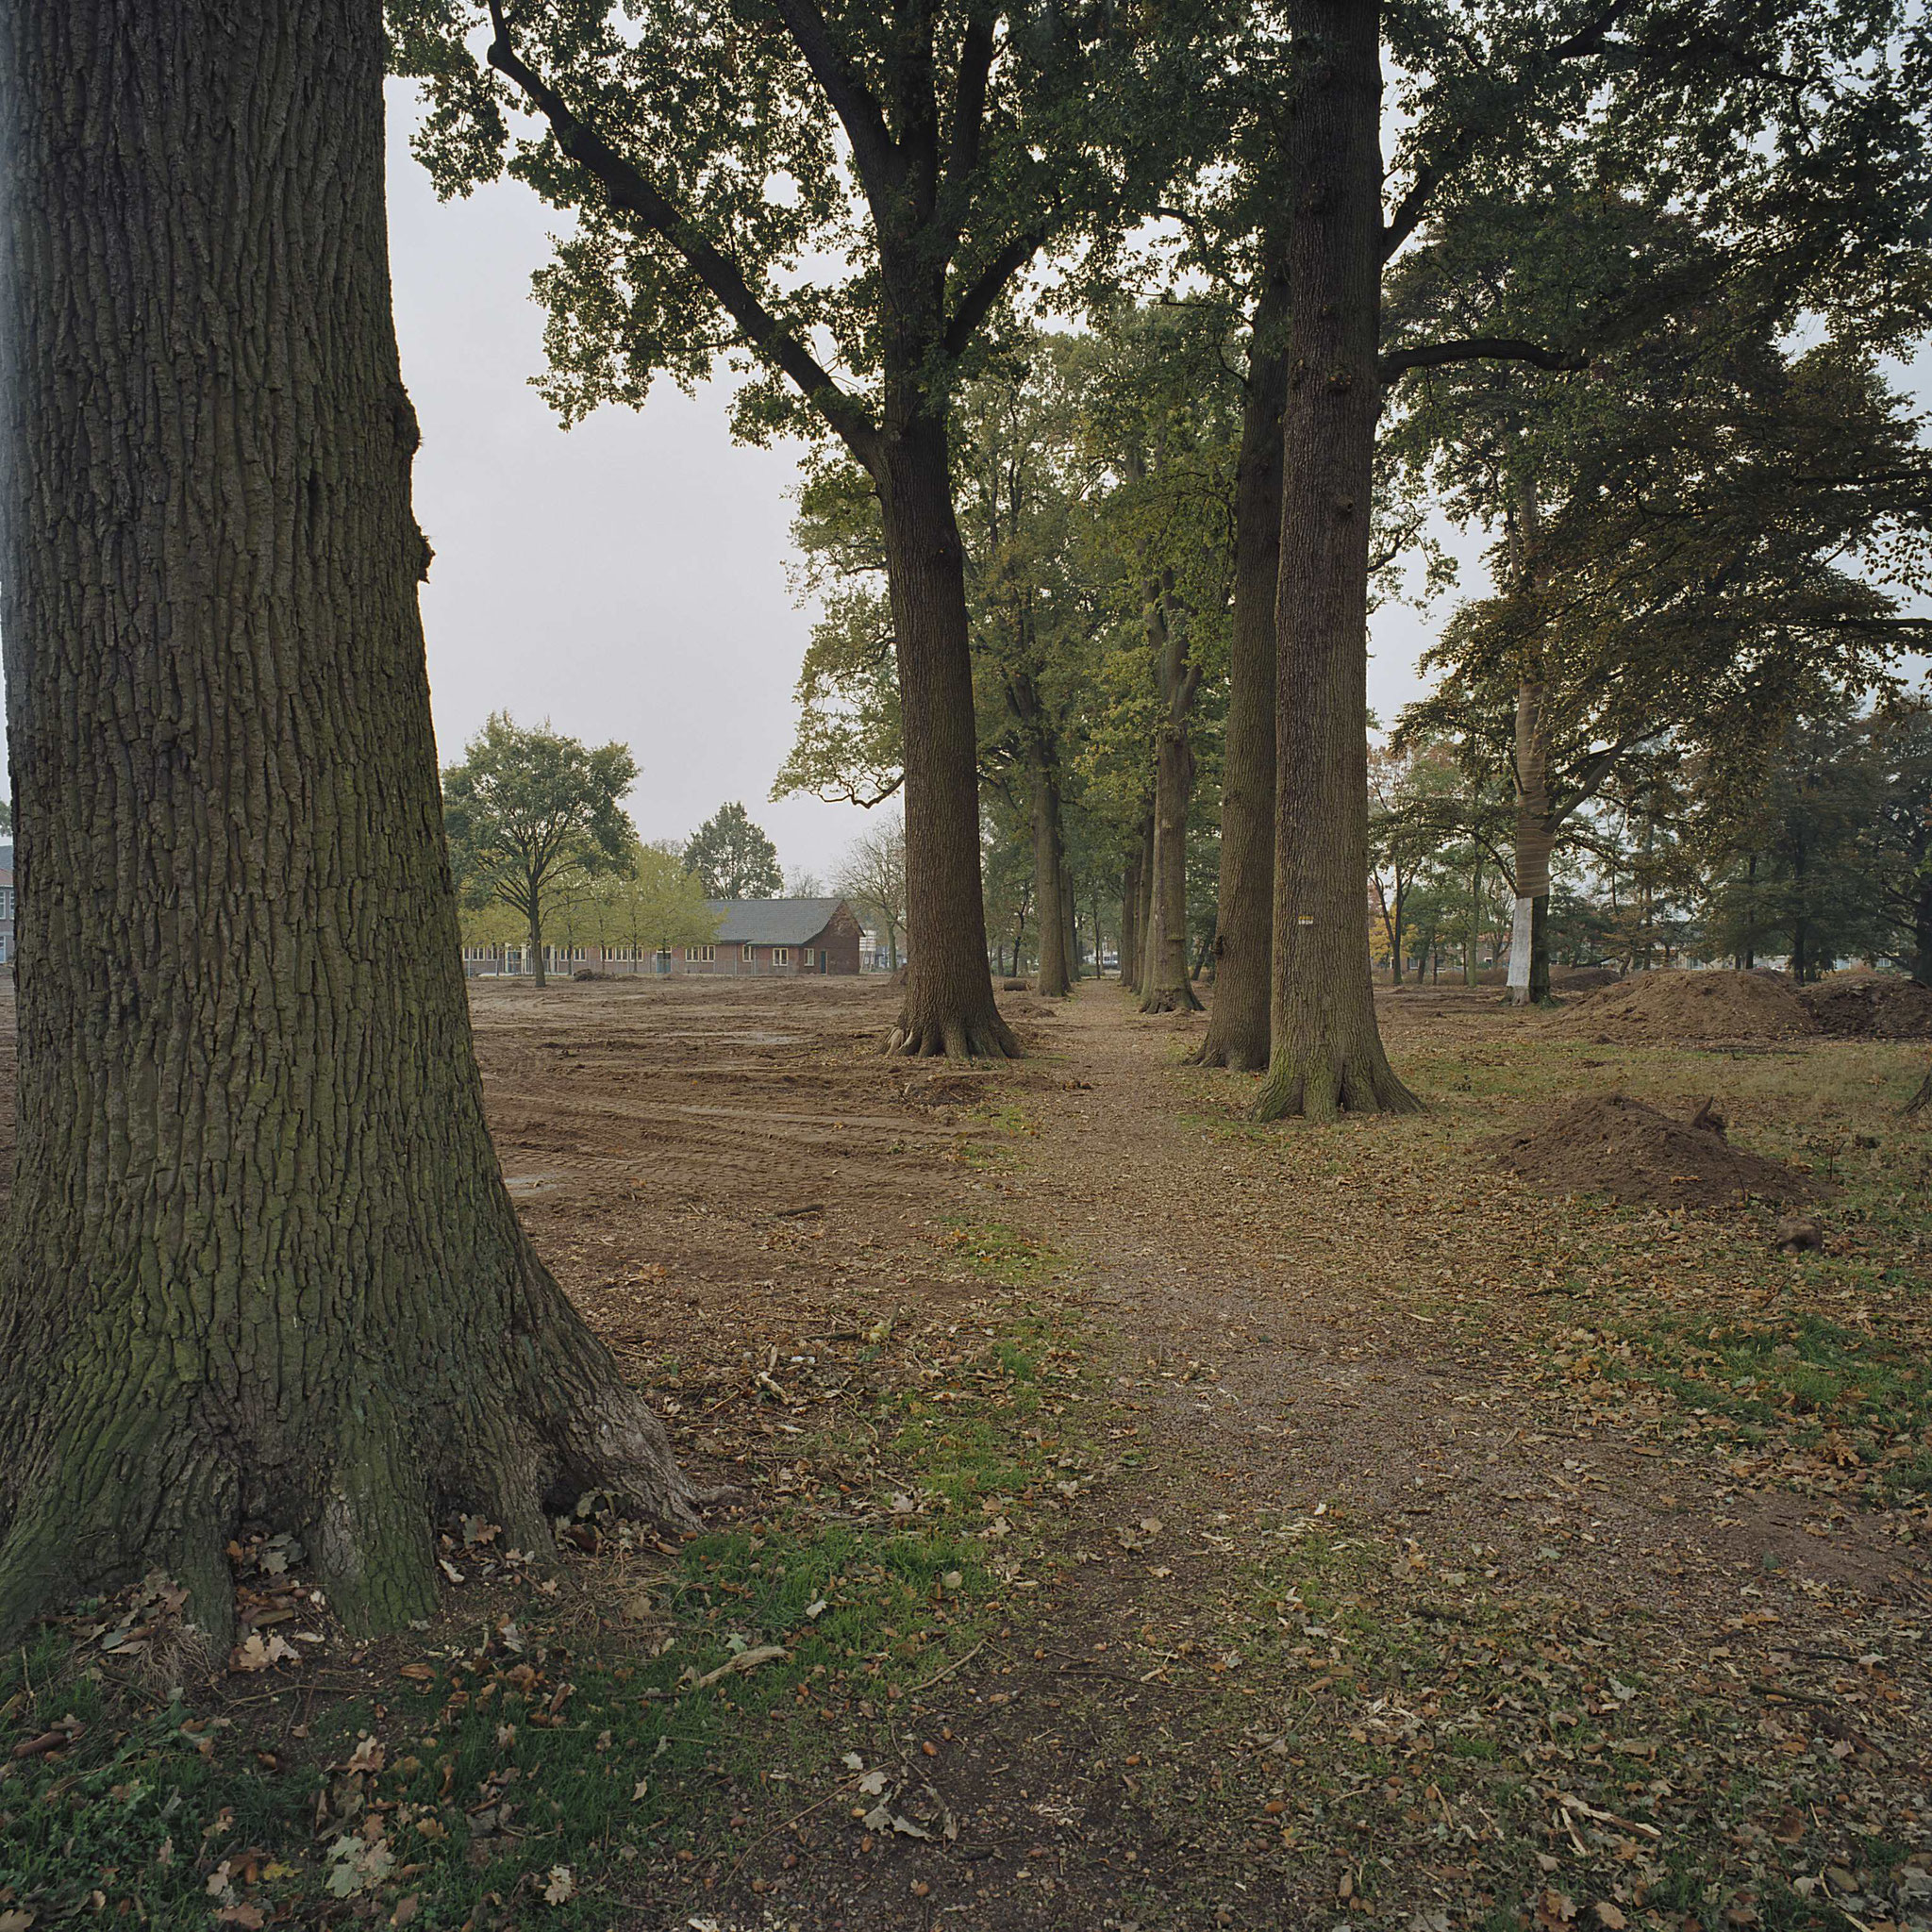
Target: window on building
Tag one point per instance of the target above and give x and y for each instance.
(747, 954)
(781, 956)
(700, 955)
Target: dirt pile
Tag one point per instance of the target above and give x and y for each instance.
(1674, 1007)
(1607, 1143)
(1869, 1006)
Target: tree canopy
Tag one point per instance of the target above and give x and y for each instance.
(526, 806)
(733, 857)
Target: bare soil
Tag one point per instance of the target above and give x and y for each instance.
(1869, 1006)
(1683, 1008)
(1419, 1563)
(1610, 1145)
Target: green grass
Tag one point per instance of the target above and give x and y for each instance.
(997, 1252)
(613, 1761)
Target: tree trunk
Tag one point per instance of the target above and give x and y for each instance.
(949, 1004)
(535, 913)
(260, 1261)
(1922, 931)
(1166, 987)
(1245, 921)
(1529, 944)
(1476, 917)
(1070, 907)
(1135, 894)
(1049, 871)
(1326, 1052)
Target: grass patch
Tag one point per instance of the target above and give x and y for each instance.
(553, 1759)
(995, 1251)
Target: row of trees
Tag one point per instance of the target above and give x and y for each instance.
(1826, 854)
(926, 162)
(539, 843)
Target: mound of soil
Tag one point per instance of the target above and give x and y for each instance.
(1583, 978)
(1678, 1007)
(1607, 1143)
(1869, 1006)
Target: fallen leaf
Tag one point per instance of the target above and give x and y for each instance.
(1610, 1915)
(562, 1886)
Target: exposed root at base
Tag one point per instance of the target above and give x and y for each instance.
(1235, 1058)
(368, 1513)
(1314, 1087)
(955, 1039)
(1922, 1099)
(1170, 999)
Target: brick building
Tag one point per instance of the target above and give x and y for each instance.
(784, 938)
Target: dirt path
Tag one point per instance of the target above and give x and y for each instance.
(1283, 1648)
(1356, 1537)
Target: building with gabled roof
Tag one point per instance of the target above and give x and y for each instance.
(757, 937)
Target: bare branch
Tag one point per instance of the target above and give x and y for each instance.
(1477, 349)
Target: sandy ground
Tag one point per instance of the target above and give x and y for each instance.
(1374, 1597)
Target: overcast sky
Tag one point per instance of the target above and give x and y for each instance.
(626, 579)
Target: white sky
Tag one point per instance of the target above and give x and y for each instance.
(628, 578)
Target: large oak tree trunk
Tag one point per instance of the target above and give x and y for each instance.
(1166, 986)
(1244, 927)
(1136, 891)
(260, 1261)
(1326, 1053)
(949, 1004)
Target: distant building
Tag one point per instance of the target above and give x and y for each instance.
(784, 938)
(6, 905)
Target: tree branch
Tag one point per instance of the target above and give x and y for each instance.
(968, 100)
(1430, 174)
(978, 299)
(631, 192)
(872, 147)
(1477, 349)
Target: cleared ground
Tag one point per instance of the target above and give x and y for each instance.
(1154, 1520)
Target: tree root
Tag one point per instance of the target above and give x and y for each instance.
(1236, 1057)
(1314, 1086)
(986, 1038)
(112, 1503)
(1922, 1099)
(1170, 999)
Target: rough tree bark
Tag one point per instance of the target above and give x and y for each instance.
(533, 906)
(1133, 895)
(1536, 823)
(1053, 905)
(261, 1260)
(1244, 924)
(1326, 1053)
(1535, 839)
(1049, 878)
(1166, 986)
(949, 1004)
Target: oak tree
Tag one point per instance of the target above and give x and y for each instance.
(260, 1262)
(845, 197)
